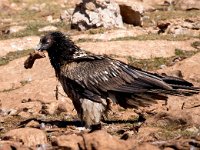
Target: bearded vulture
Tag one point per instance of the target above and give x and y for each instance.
(92, 81)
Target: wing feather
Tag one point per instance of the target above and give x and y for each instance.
(102, 76)
(129, 86)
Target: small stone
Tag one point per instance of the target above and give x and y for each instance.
(163, 66)
(14, 29)
(24, 114)
(50, 108)
(42, 126)
(1, 119)
(4, 112)
(162, 26)
(48, 28)
(33, 107)
(193, 130)
(33, 124)
(62, 106)
(12, 112)
(26, 100)
(37, 7)
(51, 20)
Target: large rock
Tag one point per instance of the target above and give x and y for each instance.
(180, 27)
(66, 15)
(132, 11)
(69, 141)
(187, 5)
(28, 136)
(100, 140)
(92, 14)
(131, 15)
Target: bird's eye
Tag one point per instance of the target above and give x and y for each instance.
(48, 41)
(45, 41)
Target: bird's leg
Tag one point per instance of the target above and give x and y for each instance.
(92, 113)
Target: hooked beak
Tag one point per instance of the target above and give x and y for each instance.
(39, 47)
(39, 51)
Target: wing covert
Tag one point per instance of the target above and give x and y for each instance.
(103, 75)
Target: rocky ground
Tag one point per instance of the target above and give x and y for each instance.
(36, 114)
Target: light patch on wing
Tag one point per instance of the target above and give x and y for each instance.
(79, 54)
(106, 72)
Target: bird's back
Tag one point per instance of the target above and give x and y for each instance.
(96, 78)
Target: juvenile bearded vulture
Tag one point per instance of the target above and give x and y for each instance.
(92, 80)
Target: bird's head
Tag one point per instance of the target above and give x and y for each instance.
(58, 45)
(51, 41)
(59, 48)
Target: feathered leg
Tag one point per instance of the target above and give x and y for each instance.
(92, 112)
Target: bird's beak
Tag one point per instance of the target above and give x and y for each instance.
(39, 47)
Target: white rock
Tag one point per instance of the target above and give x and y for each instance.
(37, 7)
(48, 28)
(192, 129)
(14, 29)
(66, 14)
(93, 14)
(51, 20)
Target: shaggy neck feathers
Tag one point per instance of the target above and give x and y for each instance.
(64, 51)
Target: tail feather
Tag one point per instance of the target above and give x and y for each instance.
(136, 100)
(179, 87)
(176, 81)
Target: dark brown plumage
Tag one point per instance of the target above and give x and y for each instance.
(91, 80)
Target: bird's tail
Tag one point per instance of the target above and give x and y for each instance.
(179, 87)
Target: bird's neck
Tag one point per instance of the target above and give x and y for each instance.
(55, 62)
(63, 54)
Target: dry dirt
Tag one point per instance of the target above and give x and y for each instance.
(33, 116)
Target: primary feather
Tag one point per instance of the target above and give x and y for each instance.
(96, 78)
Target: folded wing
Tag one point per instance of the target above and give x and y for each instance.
(102, 77)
